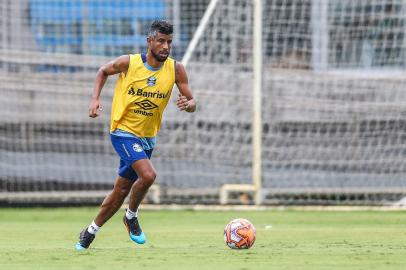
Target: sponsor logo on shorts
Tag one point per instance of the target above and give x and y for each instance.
(137, 147)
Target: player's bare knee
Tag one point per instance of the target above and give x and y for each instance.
(148, 178)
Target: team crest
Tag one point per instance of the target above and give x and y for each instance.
(137, 147)
(151, 81)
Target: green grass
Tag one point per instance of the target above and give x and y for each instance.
(44, 239)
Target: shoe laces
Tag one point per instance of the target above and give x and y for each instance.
(85, 238)
(134, 225)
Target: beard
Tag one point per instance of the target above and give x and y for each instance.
(158, 57)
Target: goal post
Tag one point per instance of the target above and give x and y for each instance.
(199, 31)
(257, 103)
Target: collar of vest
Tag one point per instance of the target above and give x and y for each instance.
(144, 61)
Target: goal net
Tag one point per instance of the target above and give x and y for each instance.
(333, 98)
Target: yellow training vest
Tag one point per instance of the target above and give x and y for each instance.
(141, 96)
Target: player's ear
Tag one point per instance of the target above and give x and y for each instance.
(149, 39)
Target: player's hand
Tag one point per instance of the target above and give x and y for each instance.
(182, 103)
(95, 108)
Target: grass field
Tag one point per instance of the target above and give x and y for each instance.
(44, 239)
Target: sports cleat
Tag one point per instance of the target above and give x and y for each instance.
(134, 230)
(85, 239)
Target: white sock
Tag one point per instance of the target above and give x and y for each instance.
(130, 214)
(93, 228)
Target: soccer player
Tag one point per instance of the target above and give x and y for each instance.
(143, 89)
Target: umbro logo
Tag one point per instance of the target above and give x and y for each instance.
(146, 104)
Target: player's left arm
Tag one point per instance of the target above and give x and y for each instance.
(185, 102)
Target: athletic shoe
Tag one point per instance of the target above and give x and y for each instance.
(134, 230)
(85, 239)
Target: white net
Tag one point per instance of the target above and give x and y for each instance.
(333, 97)
(334, 83)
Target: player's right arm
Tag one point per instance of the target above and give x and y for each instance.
(118, 65)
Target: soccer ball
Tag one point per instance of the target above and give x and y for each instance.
(239, 234)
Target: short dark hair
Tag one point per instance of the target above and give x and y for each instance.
(160, 26)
